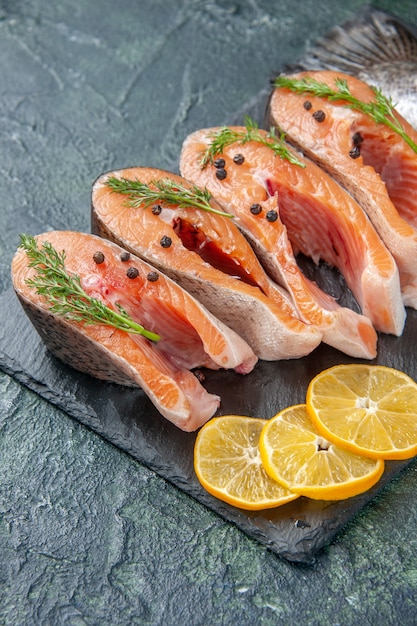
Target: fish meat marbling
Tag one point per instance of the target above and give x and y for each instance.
(207, 255)
(306, 206)
(375, 164)
(189, 336)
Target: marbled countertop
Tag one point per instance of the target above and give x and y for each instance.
(87, 534)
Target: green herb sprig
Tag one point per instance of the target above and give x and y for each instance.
(225, 136)
(65, 295)
(381, 110)
(165, 191)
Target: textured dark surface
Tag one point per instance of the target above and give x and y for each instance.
(127, 419)
(87, 534)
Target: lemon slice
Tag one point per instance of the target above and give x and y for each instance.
(369, 409)
(228, 464)
(296, 455)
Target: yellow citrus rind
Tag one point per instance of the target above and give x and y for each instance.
(295, 454)
(228, 464)
(368, 409)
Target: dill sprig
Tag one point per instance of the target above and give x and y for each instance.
(65, 295)
(381, 110)
(165, 191)
(225, 136)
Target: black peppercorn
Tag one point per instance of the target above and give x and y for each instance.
(199, 375)
(166, 241)
(307, 105)
(355, 152)
(357, 139)
(153, 276)
(256, 209)
(125, 256)
(272, 216)
(98, 257)
(239, 159)
(132, 272)
(319, 115)
(220, 163)
(156, 209)
(221, 173)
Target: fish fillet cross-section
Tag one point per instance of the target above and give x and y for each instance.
(190, 336)
(208, 256)
(304, 209)
(377, 47)
(374, 163)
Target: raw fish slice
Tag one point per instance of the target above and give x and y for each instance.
(209, 257)
(286, 189)
(189, 335)
(380, 173)
(377, 47)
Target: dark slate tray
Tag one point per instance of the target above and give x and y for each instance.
(127, 419)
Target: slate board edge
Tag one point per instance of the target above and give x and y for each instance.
(310, 542)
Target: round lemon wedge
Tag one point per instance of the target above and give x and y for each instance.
(369, 409)
(228, 464)
(295, 454)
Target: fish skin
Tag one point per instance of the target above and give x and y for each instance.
(379, 179)
(258, 310)
(377, 47)
(246, 184)
(162, 370)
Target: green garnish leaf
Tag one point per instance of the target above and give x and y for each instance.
(381, 110)
(65, 295)
(225, 136)
(165, 191)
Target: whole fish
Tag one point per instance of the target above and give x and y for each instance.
(377, 47)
